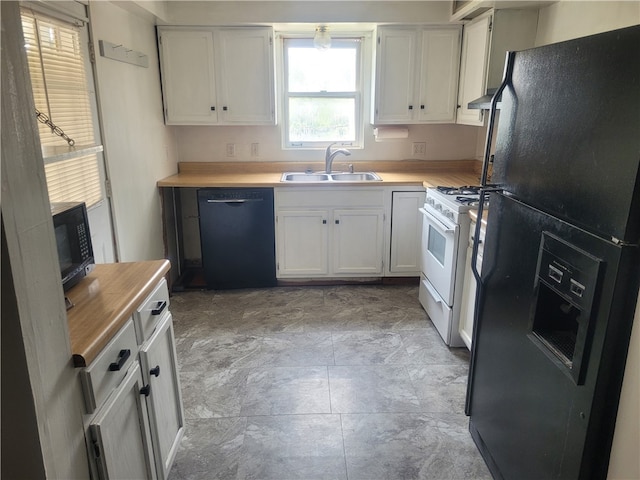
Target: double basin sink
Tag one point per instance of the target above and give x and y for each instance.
(303, 177)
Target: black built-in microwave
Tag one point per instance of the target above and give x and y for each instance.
(73, 239)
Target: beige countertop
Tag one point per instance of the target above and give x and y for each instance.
(267, 174)
(104, 300)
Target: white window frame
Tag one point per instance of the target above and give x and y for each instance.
(82, 158)
(358, 95)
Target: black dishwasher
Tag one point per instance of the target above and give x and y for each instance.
(237, 235)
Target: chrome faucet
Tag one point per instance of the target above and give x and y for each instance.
(328, 156)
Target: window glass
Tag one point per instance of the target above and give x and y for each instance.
(437, 245)
(322, 101)
(61, 91)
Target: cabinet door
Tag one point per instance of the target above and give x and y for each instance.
(160, 372)
(188, 77)
(439, 75)
(468, 302)
(246, 76)
(357, 241)
(473, 68)
(302, 242)
(120, 433)
(406, 228)
(395, 74)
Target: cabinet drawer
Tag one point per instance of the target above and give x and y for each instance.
(106, 372)
(148, 315)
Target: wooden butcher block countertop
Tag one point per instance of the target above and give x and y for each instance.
(267, 174)
(104, 300)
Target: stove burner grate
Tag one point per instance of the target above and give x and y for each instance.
(471, 201)
(466, 190)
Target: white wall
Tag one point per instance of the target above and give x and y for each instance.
(139, 149)
(35, 290)
(241, 12)
(572, 19)
(562, 21)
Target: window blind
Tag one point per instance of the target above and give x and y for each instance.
(61, 91)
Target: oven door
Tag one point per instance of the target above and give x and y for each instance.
(439, 251)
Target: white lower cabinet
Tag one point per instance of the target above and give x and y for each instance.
(406, 230)
(357, 241)
(119, 432)
(164, 402)
(341, 224)
(468, 306)
(302, 242)
(134, 428)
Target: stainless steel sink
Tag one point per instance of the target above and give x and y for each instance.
(302, 177)
(355, 177)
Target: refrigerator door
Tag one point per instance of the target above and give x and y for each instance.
(568, 138)
(550, 322)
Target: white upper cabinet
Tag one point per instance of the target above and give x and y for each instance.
(217, 76)
(485, 41)
(188, 77)
(473, 68)
(416, 74)
(246, 76)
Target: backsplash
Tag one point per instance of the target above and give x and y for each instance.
(209, 144)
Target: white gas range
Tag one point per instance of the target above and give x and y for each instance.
(444, 248)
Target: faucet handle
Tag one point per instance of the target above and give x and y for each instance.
(351, 168)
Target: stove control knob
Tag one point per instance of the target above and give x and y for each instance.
(430, 201)
(439, 207)
(448, 214)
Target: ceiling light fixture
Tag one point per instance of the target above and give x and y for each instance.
(322, 39)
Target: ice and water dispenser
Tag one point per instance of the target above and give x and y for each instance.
(562, 317)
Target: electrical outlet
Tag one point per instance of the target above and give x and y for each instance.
(231, 149)
(419, 149)
(255, 149)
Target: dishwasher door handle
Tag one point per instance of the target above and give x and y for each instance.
(235, 200)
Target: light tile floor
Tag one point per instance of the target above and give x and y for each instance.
(302, 383)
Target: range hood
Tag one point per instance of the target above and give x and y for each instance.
(484, 102)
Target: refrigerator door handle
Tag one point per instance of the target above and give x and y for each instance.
(508, 71)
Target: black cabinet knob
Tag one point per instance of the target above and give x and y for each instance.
(213, 109)
(421, 107)
(225, 108)
(410, 107)
(146, 390)
(155, 371)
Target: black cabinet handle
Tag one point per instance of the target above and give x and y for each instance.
(146, 390)
(337, 222)
(160, 306)
(421, 107)
(225, 108)
(324, 222)
(213, 109)
(119, 363)
(155, 371)
(410, 107)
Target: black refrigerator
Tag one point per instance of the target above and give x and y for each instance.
(561, 266)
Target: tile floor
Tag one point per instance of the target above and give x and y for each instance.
(301, 383)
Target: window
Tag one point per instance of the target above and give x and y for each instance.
(322, 93)
(60, 89)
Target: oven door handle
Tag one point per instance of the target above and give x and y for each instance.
(444, 228)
